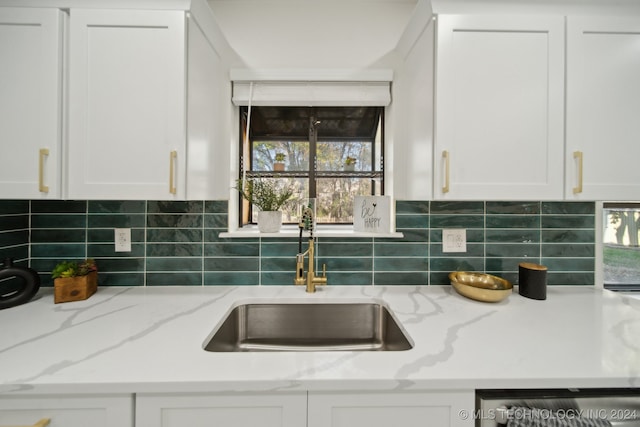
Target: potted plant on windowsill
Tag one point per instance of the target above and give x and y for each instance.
(350, 163)
(278, 165)
(74, 281)
(269, 198)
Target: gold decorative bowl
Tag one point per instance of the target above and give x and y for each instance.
(480, 286)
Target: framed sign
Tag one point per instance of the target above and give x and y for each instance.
(372, 214)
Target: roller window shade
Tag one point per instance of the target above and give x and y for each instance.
(313, 94)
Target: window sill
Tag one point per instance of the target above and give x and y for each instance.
(346, 231)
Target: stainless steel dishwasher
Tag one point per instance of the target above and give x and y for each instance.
(620, 407)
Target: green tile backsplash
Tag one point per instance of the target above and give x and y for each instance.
(14, 231)
(178, 243)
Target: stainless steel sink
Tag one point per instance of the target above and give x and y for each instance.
(308, 327)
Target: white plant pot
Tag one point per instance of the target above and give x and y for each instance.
(269, 221)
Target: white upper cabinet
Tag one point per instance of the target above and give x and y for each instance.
(499, 130)
(127, 113)
(30, 103)
(603, 108)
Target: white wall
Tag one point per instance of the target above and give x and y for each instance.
(313, 34)
(354, 34)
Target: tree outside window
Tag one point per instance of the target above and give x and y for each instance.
(621, 249)
(316, 144)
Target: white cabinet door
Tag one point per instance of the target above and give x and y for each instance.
(499, 107)
(30, 103)
(127, 133)
(205, 410)
(368, 409)
(603, 108)
(67, 411)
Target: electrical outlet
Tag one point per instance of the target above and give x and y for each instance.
(122, 239)
(454, 240)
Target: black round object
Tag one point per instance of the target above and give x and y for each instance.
(17, 284)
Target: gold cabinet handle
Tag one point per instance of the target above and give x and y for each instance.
(44, 152)
(42, 423)
(172, 172)
(445, 156)
(578, 155)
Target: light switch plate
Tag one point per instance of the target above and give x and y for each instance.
(122, 239)
(454, 240)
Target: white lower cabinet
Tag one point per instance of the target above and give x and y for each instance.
(222, 410)
(406, 409)
(315, 409)
(67, 411)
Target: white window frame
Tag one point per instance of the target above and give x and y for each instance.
(347, 87)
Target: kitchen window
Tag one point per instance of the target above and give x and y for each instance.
(328, 153)
(620, 246)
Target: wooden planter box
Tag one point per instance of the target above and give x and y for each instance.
(75, 288)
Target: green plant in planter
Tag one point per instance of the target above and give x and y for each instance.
(280, 157)
(350, 160)
(265, 194)
(73, 269)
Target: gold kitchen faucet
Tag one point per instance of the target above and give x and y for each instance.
(309, 279)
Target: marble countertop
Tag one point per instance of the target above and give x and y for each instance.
(128, 340)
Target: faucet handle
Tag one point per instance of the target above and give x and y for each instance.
(324, 270)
